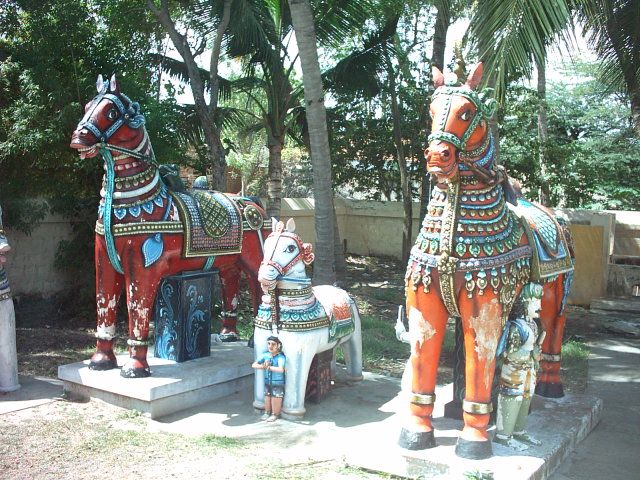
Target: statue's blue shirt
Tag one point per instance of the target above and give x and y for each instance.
(278, 360)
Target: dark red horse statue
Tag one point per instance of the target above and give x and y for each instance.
(480, 242)
(146, 231)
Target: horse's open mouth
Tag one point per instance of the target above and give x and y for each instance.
(441, 173)
(86, 152)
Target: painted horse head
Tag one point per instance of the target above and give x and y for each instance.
(4, 243)
(460, 115)
(285, 255)
(113, 122)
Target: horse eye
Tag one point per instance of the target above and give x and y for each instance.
(112, 114)
(290, 249)
(466, 115)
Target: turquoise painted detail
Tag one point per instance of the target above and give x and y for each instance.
(108, 202)
(209, 263)
(152, 249)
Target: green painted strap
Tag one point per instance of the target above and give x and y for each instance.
(108, 202)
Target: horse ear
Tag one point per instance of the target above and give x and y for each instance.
(114, 85)
(99, 83)
(473, 80)
(291, 225)
(438, 77)
(307, 253)
(274, 224)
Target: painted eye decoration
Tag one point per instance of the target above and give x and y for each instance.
(112, 114)
(290, 249)
(465, 116)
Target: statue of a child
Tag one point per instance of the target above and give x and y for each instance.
(273, 363)
(520, 349)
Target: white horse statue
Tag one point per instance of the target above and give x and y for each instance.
(308, 320)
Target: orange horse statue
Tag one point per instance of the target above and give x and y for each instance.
(480, 242)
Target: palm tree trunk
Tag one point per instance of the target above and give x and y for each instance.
(543, 132)
(302, 19)
(274, 185)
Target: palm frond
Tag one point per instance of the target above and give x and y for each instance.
(360, 72)
(177, 70)
(510, 33)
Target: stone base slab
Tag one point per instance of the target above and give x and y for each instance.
(172, 386)
(559, 423)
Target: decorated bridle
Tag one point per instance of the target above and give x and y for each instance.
(485, 108)
(130, 116)
(305, 253)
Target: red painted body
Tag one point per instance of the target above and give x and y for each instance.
(481, 311)
(134, 173)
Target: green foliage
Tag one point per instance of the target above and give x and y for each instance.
(594, 158)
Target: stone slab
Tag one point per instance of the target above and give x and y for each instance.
(171, 387)
(559, 423)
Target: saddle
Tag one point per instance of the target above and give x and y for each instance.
(551, 251)
(212, 223)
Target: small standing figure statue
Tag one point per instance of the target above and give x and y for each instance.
(520, 347)
(273, 363)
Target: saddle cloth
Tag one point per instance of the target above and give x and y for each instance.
(336, 303)
(551, 254)
(212, 223)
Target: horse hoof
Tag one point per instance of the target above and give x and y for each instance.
(135, 369)
(103, 361)
(473, 450)
(416, 440)
(550, 390)
(229, 337)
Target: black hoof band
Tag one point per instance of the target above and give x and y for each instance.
(416, 440)
(229, 337)
(135, 372)
(473, 450)
(104, 365)
(550, 390)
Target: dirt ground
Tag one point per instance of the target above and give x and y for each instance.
(87, 440)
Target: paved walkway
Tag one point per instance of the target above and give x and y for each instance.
(612, 450)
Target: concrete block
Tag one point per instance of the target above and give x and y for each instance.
(171, 387)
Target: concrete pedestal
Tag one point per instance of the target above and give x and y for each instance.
(8, 353)
(171, 387)
(559, 423)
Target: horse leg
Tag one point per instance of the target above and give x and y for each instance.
(482, 326)
(297, 368)
(230, 278)
(552, 321)
(352, 348)
(108, 291)
(141, 292)
(426, 335)
(260, 346)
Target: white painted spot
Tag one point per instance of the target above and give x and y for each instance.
(420, 329)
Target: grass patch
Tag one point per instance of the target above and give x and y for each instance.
(574, 369)
(208, 441)
(379, 341)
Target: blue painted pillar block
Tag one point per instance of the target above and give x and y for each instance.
(182, 315)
